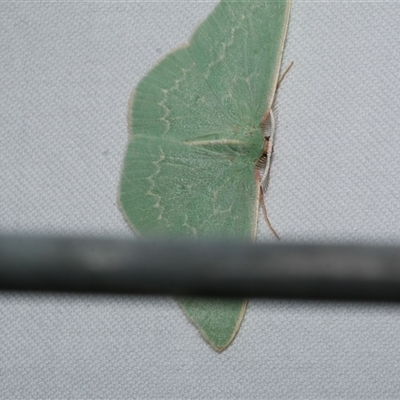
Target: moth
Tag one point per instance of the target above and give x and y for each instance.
(196, 140)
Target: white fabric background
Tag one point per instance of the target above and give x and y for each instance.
(67, 70)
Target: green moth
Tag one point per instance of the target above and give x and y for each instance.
(196, 124)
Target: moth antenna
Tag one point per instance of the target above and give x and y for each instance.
(284, 74)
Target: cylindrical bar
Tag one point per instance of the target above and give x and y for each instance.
(229, 269)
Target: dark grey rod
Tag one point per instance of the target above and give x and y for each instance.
(227, 269)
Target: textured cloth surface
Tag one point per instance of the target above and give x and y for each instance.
(67, 70)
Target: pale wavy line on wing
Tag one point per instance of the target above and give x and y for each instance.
(153, 184)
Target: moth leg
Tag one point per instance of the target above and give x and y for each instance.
(263, 207)
(264, 162)
(266, 157)
(262, 201)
